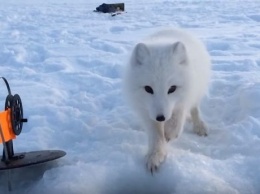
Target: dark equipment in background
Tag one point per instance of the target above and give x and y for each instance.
(114, 9)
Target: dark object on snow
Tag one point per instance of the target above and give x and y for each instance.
(115, 14)
(110, 8)
(24, 159)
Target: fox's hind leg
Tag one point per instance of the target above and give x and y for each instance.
(199, 126)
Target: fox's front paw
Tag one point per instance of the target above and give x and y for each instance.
(155, 159)
(170, 134)
(167, 134)
(172, 129)
(200, 129)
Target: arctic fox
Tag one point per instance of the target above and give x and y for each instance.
(167, 75)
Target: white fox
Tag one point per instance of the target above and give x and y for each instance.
(166, 77)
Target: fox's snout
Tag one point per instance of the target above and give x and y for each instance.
(160, 112)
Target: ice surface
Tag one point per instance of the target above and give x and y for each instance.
(66, 61)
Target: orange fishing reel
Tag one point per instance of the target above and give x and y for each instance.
(11, 124)
(11, 120)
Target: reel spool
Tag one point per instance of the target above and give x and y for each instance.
(14, 103)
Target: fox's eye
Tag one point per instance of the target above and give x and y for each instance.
(148, 89)
(172, 89)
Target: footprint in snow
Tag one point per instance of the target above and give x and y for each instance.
(106, 47)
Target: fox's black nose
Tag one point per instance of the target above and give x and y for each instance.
(160, 118)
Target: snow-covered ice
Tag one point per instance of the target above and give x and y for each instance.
(66, 61)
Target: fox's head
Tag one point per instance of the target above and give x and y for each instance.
(157, 78)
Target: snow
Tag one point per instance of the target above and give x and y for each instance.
(65, 62)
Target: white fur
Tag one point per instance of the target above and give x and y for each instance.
(168, 58)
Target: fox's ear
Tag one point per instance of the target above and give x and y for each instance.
(141, 52)
(179, 53)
